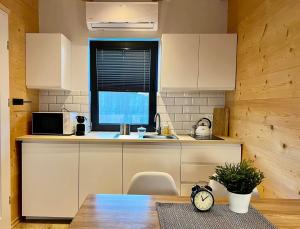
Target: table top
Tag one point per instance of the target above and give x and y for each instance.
(138, 211)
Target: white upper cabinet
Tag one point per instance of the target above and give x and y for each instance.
(217, 61)
(198, 62)
(48, 61)
(179, 61)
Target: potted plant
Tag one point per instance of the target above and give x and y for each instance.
(240, 180)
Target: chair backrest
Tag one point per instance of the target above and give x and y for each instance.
(220, 192)
(152, 183)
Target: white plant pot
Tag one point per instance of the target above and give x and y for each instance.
(239, 203)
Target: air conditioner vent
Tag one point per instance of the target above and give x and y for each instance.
(135, 16)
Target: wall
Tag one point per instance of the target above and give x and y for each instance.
(181, 110)
(23, 18)
(265, 108)
(175, 16)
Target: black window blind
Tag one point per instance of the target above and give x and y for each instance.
(123, 70)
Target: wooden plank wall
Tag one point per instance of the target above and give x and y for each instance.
(265, 108)
(23, 18)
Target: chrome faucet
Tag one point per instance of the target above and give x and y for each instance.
(157, 121)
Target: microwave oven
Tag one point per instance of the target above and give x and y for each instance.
(53, 123)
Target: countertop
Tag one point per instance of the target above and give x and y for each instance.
(111, 137)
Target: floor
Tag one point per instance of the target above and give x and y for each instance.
(42, 225)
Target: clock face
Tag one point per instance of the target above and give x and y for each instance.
(203, 200)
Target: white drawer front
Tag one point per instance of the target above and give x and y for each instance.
(215, 154)
(195, 173)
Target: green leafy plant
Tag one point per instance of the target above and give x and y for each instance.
(239, 178)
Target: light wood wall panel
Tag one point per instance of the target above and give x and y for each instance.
(265, 108)
(23, 18)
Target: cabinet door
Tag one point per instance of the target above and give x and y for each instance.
(217, 61)
(179, 61)
(150, 157)
(48, 61)
(50, 179)
(100, 169)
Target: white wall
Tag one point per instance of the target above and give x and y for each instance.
(175, 16)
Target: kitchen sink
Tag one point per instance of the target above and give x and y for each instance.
(160, 137)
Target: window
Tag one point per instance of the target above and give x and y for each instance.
(123, 79)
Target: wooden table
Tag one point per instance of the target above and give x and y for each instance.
(133, 211)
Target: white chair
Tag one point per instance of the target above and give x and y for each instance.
(220, 192)
(152, 183)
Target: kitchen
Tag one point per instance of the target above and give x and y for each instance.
(228, 67)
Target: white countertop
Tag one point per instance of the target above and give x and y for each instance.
(115, 137)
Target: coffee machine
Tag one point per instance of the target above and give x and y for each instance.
(80, 127)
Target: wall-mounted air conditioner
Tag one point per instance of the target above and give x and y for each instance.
(128, 16)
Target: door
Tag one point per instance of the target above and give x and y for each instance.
(179, 61)
(50, 179)
(4, 125)
(217, 61)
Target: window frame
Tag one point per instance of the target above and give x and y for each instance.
(123, 45)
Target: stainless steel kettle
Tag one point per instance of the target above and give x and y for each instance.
(203, 127)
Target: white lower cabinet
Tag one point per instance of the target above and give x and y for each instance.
(143, 157)
(198, 162)
(50, 179)
(57, 177)
(100, 169)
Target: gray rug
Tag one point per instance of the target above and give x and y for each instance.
(181, 216)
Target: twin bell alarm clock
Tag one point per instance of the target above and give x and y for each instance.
(202, 198)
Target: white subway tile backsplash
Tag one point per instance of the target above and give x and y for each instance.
(191, 109)
(180, 110)
(80, 99)
(56, 92)
(187, 125)
(182, 132)
(199, 101)
(216, 101)
(47, 99)
(44, 92)
(162, 94)
(166, 101)
(176, 125)
(72, 92)
(167, 117)
(56, 107)
(191, 94)
(183, 101)
(84, 108)
(43, 107)
(182, 117)
(162, 109)
(196, 117)
(73, 107)
(175, 94)
(174, 109)
(64, 99)
(209, 94)
(207, 109)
